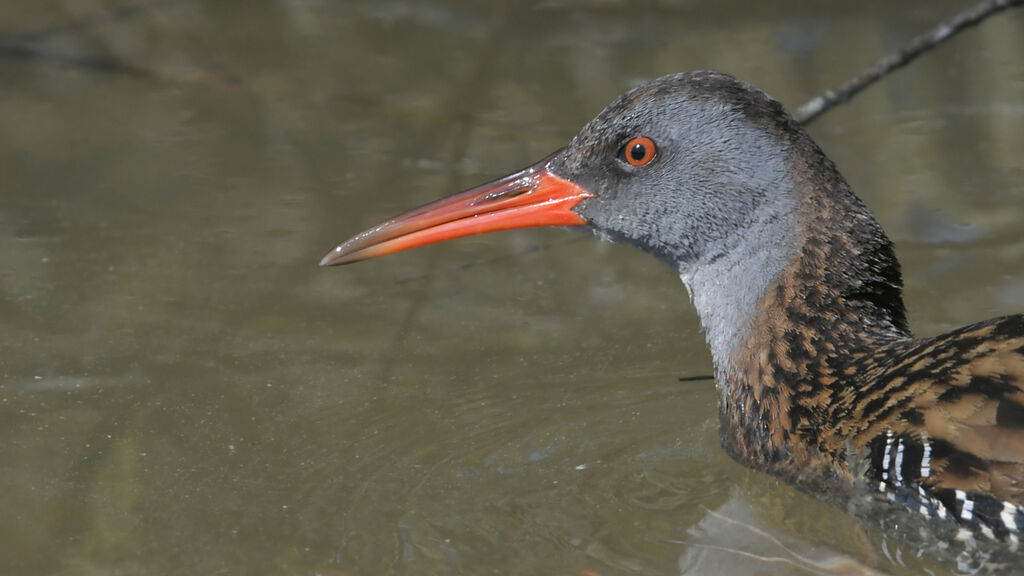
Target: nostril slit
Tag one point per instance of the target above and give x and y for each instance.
(502, 195)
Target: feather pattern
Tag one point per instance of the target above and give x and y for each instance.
(830, 388)
(800, 295)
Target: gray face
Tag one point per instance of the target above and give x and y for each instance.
(718, 175)
(718, 200)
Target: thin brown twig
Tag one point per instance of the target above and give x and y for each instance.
(887, 64)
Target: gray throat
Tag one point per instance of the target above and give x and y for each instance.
(727, 289)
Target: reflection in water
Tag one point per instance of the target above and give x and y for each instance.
(731, 539)
(186, 392)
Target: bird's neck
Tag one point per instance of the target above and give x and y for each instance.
(818, 289)
(727, 288)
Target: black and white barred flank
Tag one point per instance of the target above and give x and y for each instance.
(900, 466)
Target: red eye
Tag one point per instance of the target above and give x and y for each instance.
(640, 151)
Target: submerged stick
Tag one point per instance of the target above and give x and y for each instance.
(889, 63)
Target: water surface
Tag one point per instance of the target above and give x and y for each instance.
(185, 392)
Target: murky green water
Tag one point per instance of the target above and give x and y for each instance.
(184, 392)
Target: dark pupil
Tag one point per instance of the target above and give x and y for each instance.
(637, 152)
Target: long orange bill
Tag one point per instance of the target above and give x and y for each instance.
(533, 196)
